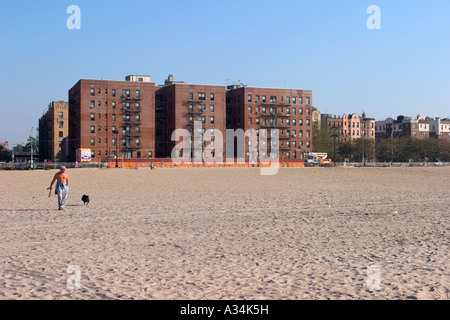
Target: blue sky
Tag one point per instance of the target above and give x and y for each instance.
(322, 45)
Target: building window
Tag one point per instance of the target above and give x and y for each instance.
(212, 120)
(300, 111)
(99, 116)
(99, 91)
(92, 154)
(308, 144)
(201, 96)
(212, 108)
(114, 105)
(92, 129)
(191, 96)
(300, 122)
(61, 115)
(307, 122)
(92, 104)
(249, 120)
(60, 134)
(211, 96)
(138, 93)
(99, 141)
(249, 98)
(92, 116)
(99, 128)
(114, 118)
(257, 120)
(288, 100)
(249, 110)
(61, 124)
(106, 128)
(60, 144)
(113, 92)
(300, 100)
(307, 111)
(308, 100)
(307, 133)
(273, 99)
(99, 103)
(113, 142)
(126, 93)
(137, 105)
(92, 92)
(257, 99)
(264, 99)
(294, 100)
(92, 142)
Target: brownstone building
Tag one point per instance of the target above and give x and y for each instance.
(178, 105)
(349, 127)
(53, 128)
(112, 118)
(405, 126)
(265, 109)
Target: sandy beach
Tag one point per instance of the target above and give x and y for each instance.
(228, 233)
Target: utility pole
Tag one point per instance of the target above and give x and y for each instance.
(31, 145)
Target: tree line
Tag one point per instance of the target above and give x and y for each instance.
(403, 149)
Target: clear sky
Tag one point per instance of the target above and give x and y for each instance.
(322, 45)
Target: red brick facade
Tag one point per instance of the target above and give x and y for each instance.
(178, 105)
(263, 109)
(98, 108)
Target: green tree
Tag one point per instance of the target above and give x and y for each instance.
(5, 154)
(322, 140)
(32, 141)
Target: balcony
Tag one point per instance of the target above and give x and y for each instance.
(194, 112)
(131, 121)
(275, 114)
(280, 125)
(193, 102)
(130, 98)
(275, 104)
(130, 111)
(131, 134)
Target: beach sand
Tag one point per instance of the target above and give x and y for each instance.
(228, 233)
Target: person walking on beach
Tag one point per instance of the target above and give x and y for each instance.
(62, 187)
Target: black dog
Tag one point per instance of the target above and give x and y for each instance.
(85, 199)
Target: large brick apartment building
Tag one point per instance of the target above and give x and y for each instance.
(179, 105)
(136, 119)
(112, 117)
(266, 109)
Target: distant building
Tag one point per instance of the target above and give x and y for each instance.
(4, 144)
(350, 127)
(439, 128)
(403, 126)
(316, 117)
(53, 128)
